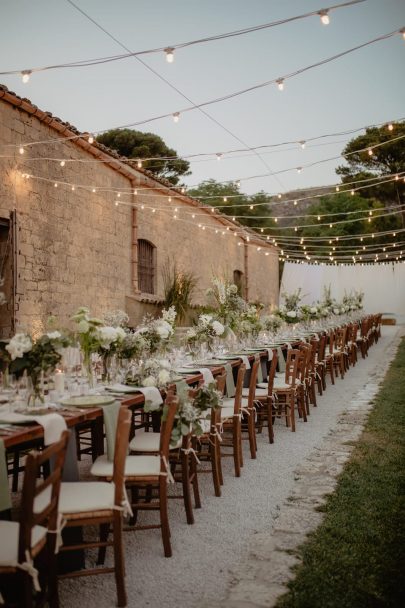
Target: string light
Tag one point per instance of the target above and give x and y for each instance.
(116, 203)
(352, 192)
(62, 163)
(25, 76)
(295, 203)
(176, 116)
(225, 199)
(370, 152)
(55, 185)
(251, 207)
(169, 199)
(91, 139)
(219, 155)
(390, 127)
(139, 164)
(169, 54)
(93, 190)
(299, 169)
(73, 188)
(280, 84)
(21, 150)
(302, 144)
(337, 188)
(118, 194)
(324, 15)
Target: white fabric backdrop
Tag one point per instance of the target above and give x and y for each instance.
(383, 286)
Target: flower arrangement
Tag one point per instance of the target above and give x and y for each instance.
(157, 332)
(290, 312)
(249, 322)
(310, 313)
(208, 328)
(132, 346)
(354, 300)
(228, 303)
(116, 318)
(36, 358)
(152, 372)
(271, 323)
(193, 410)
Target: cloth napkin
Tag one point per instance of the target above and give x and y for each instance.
(259, 369)
(230, 383)
(5, 500)
(110, 416)
(281, 360)
(204, 371)
(151, 393)
(53, 424)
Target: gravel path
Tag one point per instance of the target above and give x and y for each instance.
(208, 555)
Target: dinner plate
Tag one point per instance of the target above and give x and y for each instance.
(87, 401)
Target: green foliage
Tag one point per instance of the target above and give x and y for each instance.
(138, 145)
(354, 559)
(178, 288)
(235, 204)
(387, 159)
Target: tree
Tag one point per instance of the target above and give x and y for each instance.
(329, 208)
(138, 145)
(233, 203)
(388, 159)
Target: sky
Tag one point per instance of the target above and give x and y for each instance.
(365, 87)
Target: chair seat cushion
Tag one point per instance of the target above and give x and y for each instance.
(9, 534)
(85, 496)
(135, 466)
(227, 412)
(262, 385)
(148, 442)
(259, 392)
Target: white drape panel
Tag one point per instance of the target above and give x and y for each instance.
(383, 286)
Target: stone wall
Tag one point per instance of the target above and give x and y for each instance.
(75, 246)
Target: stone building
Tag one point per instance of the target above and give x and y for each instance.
(80, 225)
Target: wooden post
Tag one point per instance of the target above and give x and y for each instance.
(134, 244)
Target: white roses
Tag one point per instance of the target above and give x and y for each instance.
(109, 335)
(292, 314)
(18, 345)
(218, 328)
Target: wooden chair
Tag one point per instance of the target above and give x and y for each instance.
(286, 389)
(149, 474)
(231, 418)
(207, 447)
(337, 350)
(100, 503)
(183, 464)
(249, 408)
(267, 410)
(34, 537)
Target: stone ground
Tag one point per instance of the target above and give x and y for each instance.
(237, 554)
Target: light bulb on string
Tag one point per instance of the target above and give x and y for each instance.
(319, 218)
(55, 185)
(352, 192)
(219, 155)
(135, 192)
(73, 188)
(25, 76)
(116, 203)
(299, 169)
(251, 207)
(238, 183)
(176, 116)
(139, 164)
(302, 144)
(280, 84)
(370, 152)
(225, 199)
(90, 139)
(324, 16)
(169, 199)
(62, 163)
(295, 203)
(93, 190)
(118, 194)
(396, 178)
(295, 229)
(169, 54)
(278, 195)
(337, 188)
(21, 150)
(390, 127)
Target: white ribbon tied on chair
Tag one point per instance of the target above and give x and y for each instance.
(29, 568)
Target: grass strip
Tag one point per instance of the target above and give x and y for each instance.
(355, 559)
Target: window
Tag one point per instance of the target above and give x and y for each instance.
(238, 280)
(146, 266)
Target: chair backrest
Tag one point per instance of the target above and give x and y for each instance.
(340, 337)
(238, 389)
(120, 452)
(272, 373)
(253, 382)
(322, 347)
(306, 349)
(221, 382)
(40, 497)
(294, 358)
(169, 413)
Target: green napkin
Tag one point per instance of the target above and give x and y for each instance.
(230, 383)
(110, 415)
(5, 500)
(281, 360)
(259, 369)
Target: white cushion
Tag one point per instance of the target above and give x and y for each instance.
(135, 466)
(148, 442)
(227, 412)
(262, 384)
(261, 392)
(9, 534)
(84, 496)
(228, 402)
